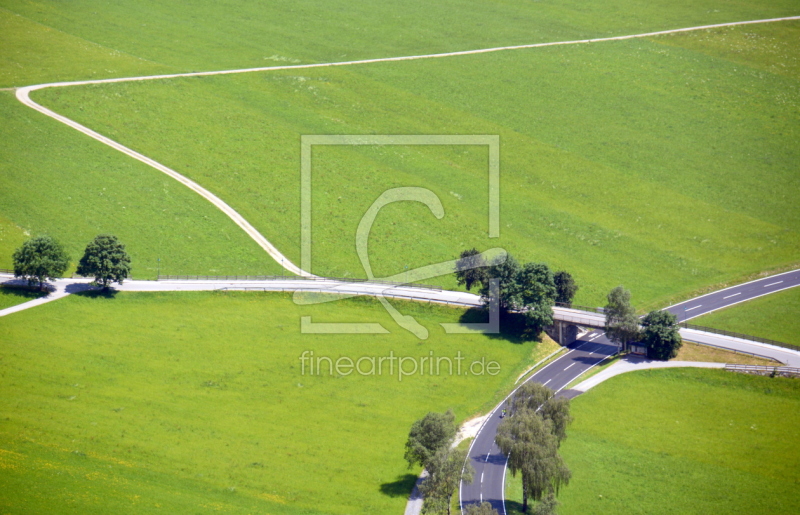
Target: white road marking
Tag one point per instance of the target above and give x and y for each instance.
(487, 456)
(481, 477)
(697, 306)
(593, 337)
(772, 284)
(569, 366)
(729, 296)
(545, 384)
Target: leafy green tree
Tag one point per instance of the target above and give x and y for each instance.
(661, 335)
(39, 259)
(536, 293)
(483, 508)
(470, 269)
(528, 289)
(547, 506)
(106, 260)
(506, 273)
(532, 449)
(429, 434)
(565, 287)
(446, 470)
(540, 399)
(622, 324)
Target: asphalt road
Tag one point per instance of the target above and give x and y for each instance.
(485, 456)
(489, 464)
(697, 306)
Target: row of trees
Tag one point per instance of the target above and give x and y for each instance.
(530, 436)
(658, 330)
(531, 289)
(43, 258)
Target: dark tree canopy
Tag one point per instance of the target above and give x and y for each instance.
(39, 259)
(622, 324)
(536, 295)
(483, 508)
(445, 469)
(429, 434)
(105, 259)
(506, 274)
(470, 269)
(565, 287)
(661, 335)
(528, 289)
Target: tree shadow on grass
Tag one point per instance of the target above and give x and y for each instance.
(22, 292)
(401, 487)
(512, 325)
(97, 293)
(515, 507)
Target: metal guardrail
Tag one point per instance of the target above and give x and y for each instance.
(764, 370)
(739, 335)
(291, 278)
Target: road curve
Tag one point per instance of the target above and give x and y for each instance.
(490, 465)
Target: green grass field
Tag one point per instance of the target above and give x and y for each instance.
(57, 181)
(193, 402)
(13, 296)
(773, 316)
(683, 441)
(86, 39)
(666, 176)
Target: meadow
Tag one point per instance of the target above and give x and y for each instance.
(47, 41)
(682, 441)
(58, 182)
(773, 316)
(666, 175)
(196, 402)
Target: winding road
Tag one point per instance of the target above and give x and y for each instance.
(589, 350)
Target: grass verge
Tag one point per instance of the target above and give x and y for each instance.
(684, 441)
(773, 316)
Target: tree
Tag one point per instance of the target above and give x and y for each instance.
(622, 324)
(446, 470)
(429, 434)
(540, 399)
(483, 508)
(565, 287)
(105, 259)
(506, 273)
(547, 506)
(528, 289)
(39, 259)
(661, 335)
(535, 295)
(470, 269)
(532, 449)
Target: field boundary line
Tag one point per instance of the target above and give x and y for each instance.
(23, 95)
